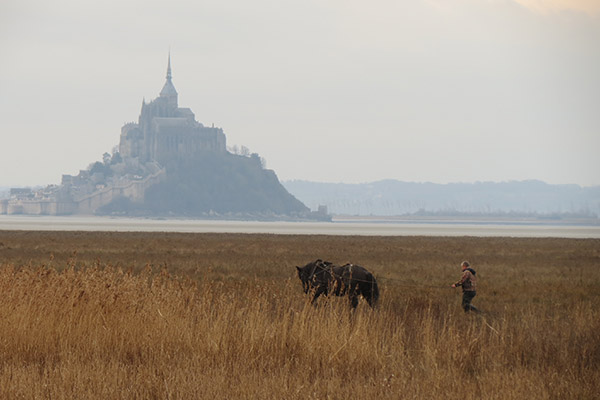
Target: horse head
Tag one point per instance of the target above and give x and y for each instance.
(311, 273)
(304, 275)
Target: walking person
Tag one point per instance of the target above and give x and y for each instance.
(468, 282)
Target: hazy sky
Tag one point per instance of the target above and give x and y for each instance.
(329, 90)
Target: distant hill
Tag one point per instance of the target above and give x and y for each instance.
(392, 197)
(167, 164)
(218, 185)
(197, 175)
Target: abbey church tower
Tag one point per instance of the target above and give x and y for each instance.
(169, 93)
(165, 132)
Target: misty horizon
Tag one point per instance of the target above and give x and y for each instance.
(40, 186)
(516, 199)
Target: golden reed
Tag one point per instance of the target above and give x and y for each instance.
(183, 316)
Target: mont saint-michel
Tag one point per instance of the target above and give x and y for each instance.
(167, 164)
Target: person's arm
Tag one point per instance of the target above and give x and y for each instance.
(461, 281)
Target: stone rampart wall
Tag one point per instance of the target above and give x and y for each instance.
(38, 207)
(133, 190)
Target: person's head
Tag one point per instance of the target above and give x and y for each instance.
(464, 265)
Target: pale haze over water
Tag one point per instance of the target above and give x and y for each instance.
(432, 228)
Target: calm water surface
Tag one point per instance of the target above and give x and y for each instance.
(367, 228)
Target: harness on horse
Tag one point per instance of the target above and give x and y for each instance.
(352, 280)
(322, 266)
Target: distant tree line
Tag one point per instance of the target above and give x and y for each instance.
(391, 197)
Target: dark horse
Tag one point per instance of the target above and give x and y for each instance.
(325, 277)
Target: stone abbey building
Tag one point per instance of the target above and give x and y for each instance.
(165, 131)
(166, 164)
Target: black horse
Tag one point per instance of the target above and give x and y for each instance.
(325, 277)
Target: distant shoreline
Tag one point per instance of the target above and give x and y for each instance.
(479, 220)
(347, 226)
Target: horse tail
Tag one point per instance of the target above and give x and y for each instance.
(374, 290)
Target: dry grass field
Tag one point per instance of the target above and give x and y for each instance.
(87, 315)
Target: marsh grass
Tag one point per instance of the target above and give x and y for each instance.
(159, 316)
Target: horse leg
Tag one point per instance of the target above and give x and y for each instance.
(337, 287)
(353, 300)
(369, 299)
(353, 294)
(318, 292)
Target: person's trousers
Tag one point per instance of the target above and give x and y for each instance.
(466, 301)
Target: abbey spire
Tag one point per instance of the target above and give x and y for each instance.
(168, 91)
(169, 68)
